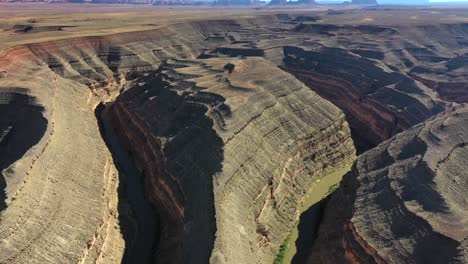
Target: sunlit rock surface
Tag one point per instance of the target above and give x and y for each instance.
(228, 148)
(405, 201)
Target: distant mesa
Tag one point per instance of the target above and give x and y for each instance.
(136, 2)
(284, 2)
(191, 2)
(364, 2)
(147, 2)
(313, 2)
(234, 2)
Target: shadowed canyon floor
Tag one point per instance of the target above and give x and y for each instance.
(194, 136)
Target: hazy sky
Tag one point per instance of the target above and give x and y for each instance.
(414, 2)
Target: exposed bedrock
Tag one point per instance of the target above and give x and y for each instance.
(378, 103)
(61, 206)
(405, 200)
(448, 79)
(178, 173)
(441, 63)
(137, 217)
(228, 156)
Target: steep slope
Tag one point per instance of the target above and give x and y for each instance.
(366, 70)
(446, 76)
(67, 170)
(371, 86)
(405, 201)
(228, 151)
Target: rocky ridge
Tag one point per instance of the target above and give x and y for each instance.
(247, 162)
(404, 201)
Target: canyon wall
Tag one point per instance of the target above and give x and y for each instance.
(404, 202)
(61, 203)
(228, 154)
(361, 78)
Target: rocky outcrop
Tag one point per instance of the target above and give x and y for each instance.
(378, 103)
(228, 156)
(405, 200)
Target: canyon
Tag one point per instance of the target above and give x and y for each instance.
(380, 214)
(193, 136)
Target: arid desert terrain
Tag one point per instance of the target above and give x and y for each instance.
(303, 134)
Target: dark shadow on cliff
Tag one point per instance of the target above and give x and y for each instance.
(189, 156)
(137, 218)
(374, 111)
(22, 126)
(309, 222)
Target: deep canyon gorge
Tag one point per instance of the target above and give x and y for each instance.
(200, 140)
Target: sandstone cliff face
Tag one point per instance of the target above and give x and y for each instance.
(68, 169)
(405, 200)
(228, 156)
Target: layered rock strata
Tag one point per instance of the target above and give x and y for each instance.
(61, 195)
(379, 103)
(405, 201)
(365, 69)
(228, 156)
(61, 203)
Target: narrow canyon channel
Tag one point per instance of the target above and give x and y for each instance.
(302, 236)
(140, 241)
